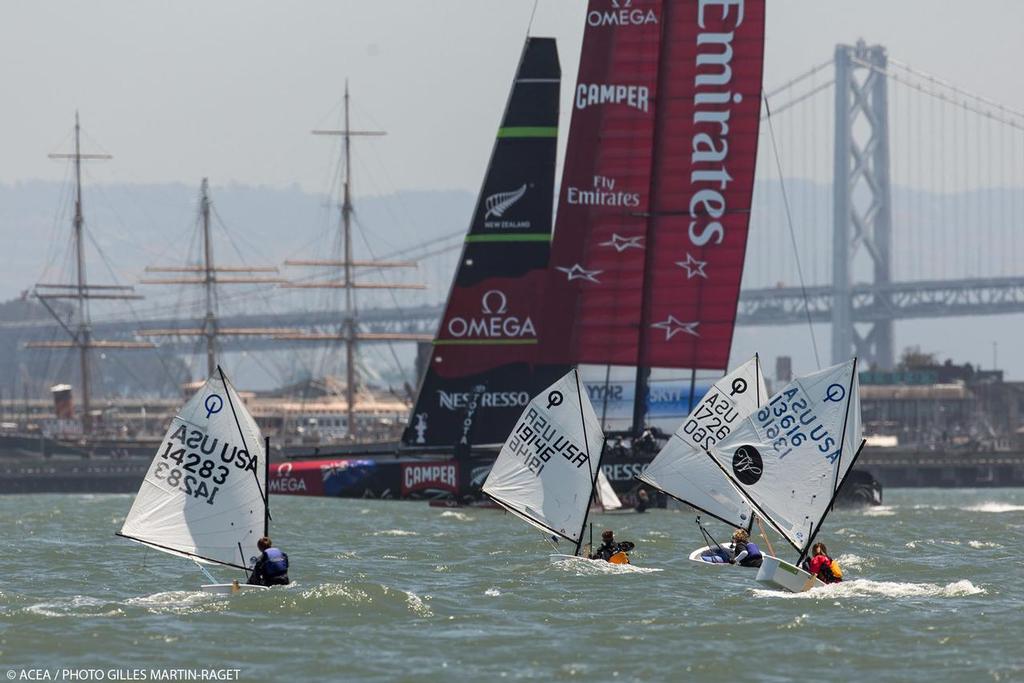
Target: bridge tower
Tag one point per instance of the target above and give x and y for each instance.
(862, 204)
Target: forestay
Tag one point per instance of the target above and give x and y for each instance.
(546, 469)
(789, 457)
(203, 496)
(682, 468)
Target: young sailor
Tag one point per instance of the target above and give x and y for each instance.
(822, 566)
(609, 547)
(271, 568)
(745, 553)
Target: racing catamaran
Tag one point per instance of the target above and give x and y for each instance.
(205, 495)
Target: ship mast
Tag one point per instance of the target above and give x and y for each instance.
(349, 329)
(210, 321)
(82, 291)
(208, 276)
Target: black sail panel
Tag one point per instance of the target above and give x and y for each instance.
(482, 368)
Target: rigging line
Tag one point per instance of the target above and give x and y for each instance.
(60, 212)
(131, 309)
(800, 98)
(234, 245)
(792, 235)
(529, 26)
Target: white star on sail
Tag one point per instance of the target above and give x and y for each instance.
(693, 267)
(673, 326)
(578, 272)
(621, 243)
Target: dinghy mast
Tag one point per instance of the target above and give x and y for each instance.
(596, 471)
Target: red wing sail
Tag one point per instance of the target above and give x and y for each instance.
(656, 191)
(597, 261)
(708, 116)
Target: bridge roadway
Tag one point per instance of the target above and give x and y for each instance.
(771, 306)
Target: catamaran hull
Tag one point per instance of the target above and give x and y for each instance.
(231, 588)
(781, 575)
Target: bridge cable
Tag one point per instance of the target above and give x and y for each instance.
(792, 234)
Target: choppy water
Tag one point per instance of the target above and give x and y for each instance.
(397, 591)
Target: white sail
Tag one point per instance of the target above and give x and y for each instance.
(606, 495)
(203, 494)
(546, 469)
(682, 468)
(790, 456)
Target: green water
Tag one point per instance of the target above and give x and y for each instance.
(399, 591)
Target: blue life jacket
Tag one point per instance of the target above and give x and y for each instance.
(275, 564)
(753, 552)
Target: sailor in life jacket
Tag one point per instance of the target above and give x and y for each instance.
(745, 553)
(822, 566)
(610, 548)
(271, 569)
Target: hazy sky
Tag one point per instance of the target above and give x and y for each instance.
(230, 89)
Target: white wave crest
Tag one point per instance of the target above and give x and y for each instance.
(581, 566)
(79, 605)
(395, 532)
(978, 545)
(851, 561)
(417, 605)
(455, 514)
(879, 511)
(178, 602)
(994, 507)
(492, 592)
(860, 588)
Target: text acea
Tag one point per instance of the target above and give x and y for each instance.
(124, 674)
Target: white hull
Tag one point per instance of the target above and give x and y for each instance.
(781, 575)
(695, 556)
(229, 588)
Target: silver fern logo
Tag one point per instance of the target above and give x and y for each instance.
(500, 202)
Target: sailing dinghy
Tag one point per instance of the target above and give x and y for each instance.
(205, 495)
(547, 470)
(607, 500)
(790, 458)
(683, 471)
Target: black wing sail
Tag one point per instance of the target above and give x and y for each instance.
(482, 370)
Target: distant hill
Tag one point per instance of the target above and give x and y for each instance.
(140, 225)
